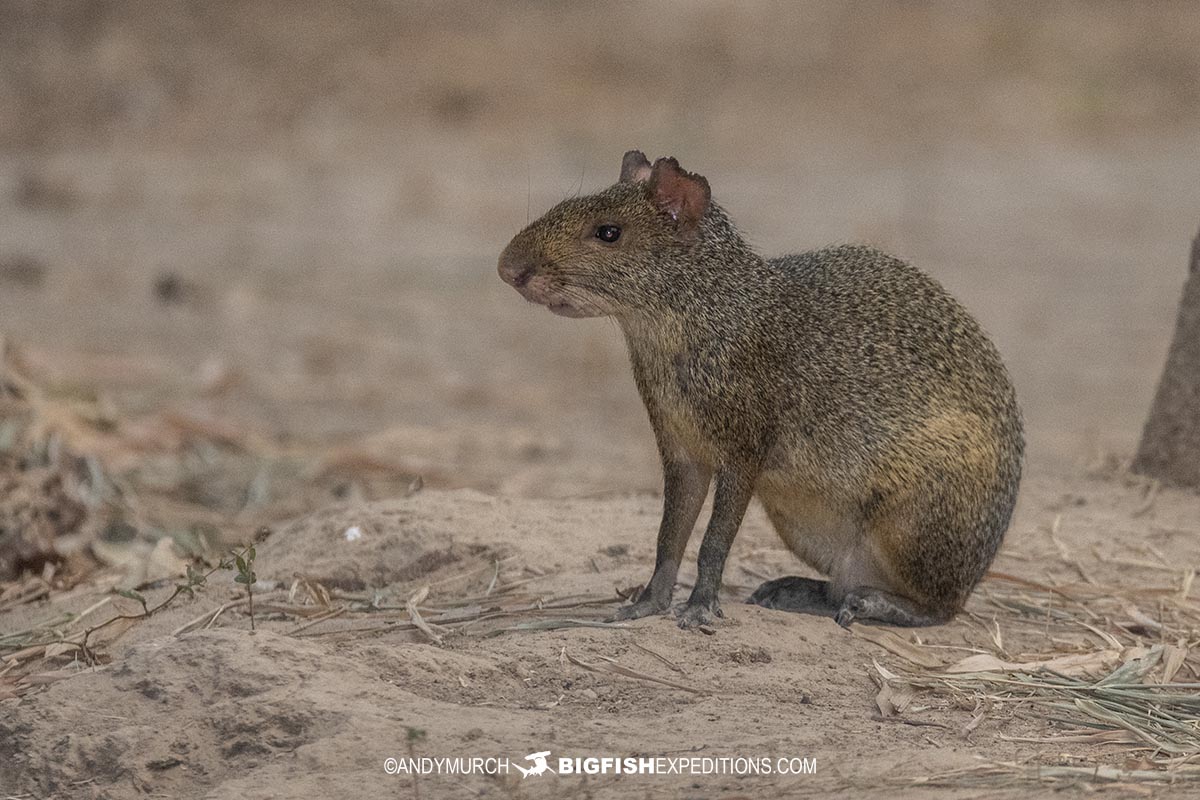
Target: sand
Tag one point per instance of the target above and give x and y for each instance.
(295, 708)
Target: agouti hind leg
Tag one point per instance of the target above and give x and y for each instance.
(867, 604)
(793, 593)
(863, 604)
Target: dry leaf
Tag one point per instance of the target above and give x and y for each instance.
(1086, 737)
(1076, 664)
(60, 648)
(415, 615)
(1142, 618)
(892, 700)
(886, 673)
(1173, 658)
(889, 641)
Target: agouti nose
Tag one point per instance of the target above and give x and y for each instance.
(515, 271)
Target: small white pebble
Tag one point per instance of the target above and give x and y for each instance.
(353, 533)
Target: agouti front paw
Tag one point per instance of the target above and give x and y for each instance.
(645, 607)
(694, 614)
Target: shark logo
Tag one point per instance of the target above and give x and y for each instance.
(539, 765)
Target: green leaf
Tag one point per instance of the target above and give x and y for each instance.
(194, 578)
(132, 595)
(241, 564)
(250, 553)
(241, 579)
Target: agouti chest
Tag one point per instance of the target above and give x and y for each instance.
(683, 397)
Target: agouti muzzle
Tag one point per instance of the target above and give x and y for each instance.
(860, 403)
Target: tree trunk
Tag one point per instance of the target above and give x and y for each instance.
(1170, 446)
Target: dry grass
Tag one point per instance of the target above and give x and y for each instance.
(1110, 675)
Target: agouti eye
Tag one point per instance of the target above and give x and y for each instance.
(608, 233)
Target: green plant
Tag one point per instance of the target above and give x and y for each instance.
(244, 561)
(245, 567)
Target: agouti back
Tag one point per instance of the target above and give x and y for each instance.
(845, 388)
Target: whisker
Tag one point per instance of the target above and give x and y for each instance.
(583, 286)
(579, 188)
(574, 295)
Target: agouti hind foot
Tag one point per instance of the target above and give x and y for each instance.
(866, 604)
(793, 593)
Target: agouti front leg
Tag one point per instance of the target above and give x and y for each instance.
(732, 496)
(685, 486)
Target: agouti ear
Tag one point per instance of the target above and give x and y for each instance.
(635, 167)
(683, 195)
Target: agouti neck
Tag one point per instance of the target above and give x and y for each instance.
(695, 289)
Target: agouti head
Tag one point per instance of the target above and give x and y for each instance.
(616, 251)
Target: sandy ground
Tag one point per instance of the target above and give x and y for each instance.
(288, 228)
(296, 707)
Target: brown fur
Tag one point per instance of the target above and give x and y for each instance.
(845, 388)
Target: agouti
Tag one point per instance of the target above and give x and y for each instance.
(845, 388)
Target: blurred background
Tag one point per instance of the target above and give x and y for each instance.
(280, 220)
